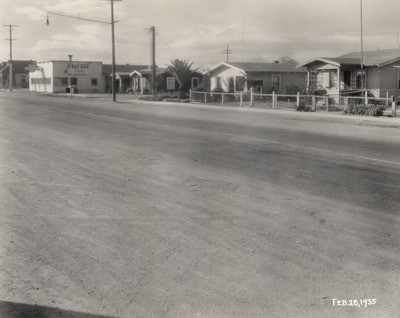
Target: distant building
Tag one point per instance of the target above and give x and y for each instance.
(20, 74)
(61, 76)
(125, 80)
(265, 77)
(343, 74)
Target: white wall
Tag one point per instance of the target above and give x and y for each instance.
(55, 76)
(37, 79)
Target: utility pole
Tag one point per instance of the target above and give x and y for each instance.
(153, 59)
(112, 39)
(10, 26)
(227, 51)
(114, 93)
(362, 47)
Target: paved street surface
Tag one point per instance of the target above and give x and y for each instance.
(159, 210)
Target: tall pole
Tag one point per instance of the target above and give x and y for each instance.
(227, 51)
(10, 80)
(153, 58)
(113, 53)
(362, 46)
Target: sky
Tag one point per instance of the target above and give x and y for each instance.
(197, 30)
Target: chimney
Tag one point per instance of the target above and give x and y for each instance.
(70, 57)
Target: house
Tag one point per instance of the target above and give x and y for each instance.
(20, 74)
(343, 75)
(165, 81)
(264, 77)
(58, 76)
(124, 75)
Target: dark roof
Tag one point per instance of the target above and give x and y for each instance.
(124, 68)
(265, 67)
(370, 58)
(248, 67)
(18, 66)
(344, 60)
(377, 57)
(148, 71)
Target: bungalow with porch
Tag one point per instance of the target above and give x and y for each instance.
(123, 75)
(261, 77)
(343, 75)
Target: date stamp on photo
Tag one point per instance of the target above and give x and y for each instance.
(354, 302)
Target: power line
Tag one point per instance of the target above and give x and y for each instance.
(10, 26)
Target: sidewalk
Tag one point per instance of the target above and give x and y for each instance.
(385, 120)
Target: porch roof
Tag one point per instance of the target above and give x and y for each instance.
(336, 61)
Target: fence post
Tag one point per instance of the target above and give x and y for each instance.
(222, 99)
(205, 98)
(393, 108)
(327, 103)
(346, 103)
(273, 100)
(366, 98)
(251, 98)
(190, 95)
(241, 99)
(298, 99)
(313, 103)
(387, 98)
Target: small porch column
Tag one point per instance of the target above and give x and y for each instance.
(339, 83)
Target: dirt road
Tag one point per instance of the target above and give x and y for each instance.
(134, 210)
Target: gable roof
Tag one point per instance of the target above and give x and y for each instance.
(249, 67)
(375, 58)
(370, 58)
(18, 66)
(122, 68)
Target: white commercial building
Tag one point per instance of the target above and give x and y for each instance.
(60, 76)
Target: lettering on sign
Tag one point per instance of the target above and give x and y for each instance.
(77, 68)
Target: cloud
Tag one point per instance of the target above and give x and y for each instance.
(32, 13)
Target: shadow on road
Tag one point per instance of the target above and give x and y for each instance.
(19, 310)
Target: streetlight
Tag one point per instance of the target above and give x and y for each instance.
(112, 38)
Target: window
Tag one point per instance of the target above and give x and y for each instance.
(398, 79)
(94, 81)
(219, 82)
(60, 81)
(41, 80)
(170, 83)
(276, 83)
(195, 82)
(74, 81)
(360, 79)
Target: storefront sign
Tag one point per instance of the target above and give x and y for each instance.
(76, 68)
(31, 67)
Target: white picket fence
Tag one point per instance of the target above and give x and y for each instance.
(315, 102)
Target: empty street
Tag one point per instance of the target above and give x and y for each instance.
(136, 209)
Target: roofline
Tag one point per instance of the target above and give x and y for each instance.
(389, 62)
(137, 72)
(322, 59)
(226, 64)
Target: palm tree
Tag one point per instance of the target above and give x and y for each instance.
(181, 70)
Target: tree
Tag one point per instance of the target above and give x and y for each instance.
(287, 59)
(181, 70)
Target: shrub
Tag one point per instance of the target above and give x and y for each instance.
(217, 97)
(362, 109)
(303, 107)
